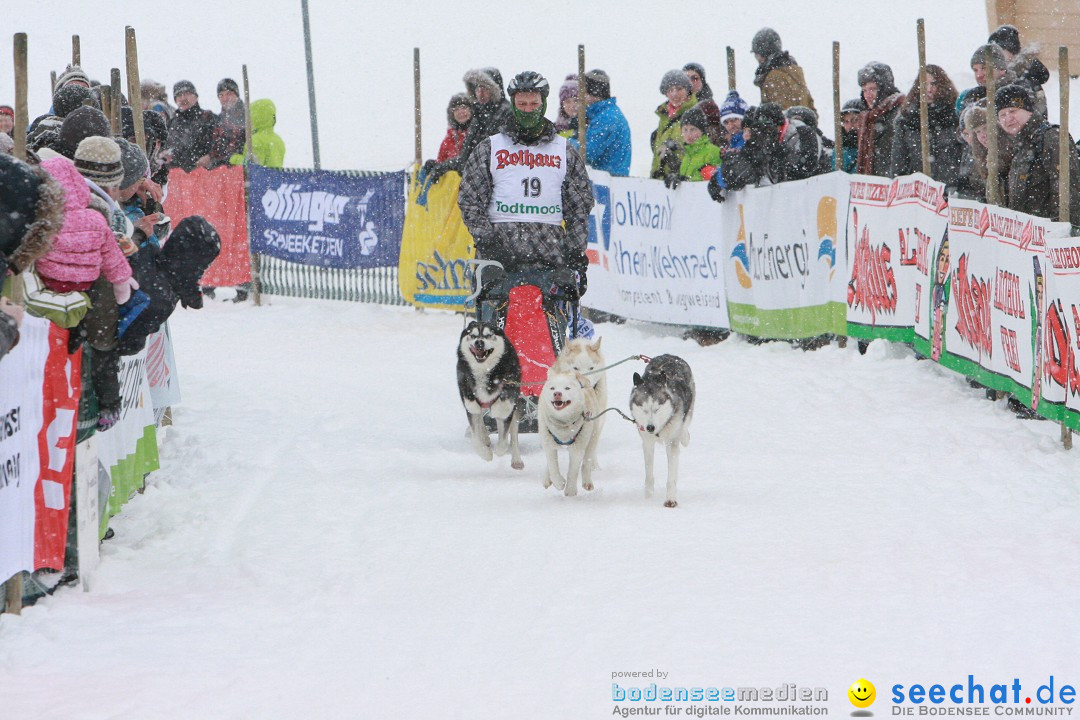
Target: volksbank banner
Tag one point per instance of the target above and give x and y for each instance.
(655, 254)
(326, 218)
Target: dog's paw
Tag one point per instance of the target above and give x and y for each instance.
(587, 486)
(501, 448)
(570, 491)
(547, 480)
(484, 451)
(670, 503)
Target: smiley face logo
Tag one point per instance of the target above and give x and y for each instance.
(862, 693)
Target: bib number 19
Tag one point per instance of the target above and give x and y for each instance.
(531, 186)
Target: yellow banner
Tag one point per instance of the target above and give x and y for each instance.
(435, 246)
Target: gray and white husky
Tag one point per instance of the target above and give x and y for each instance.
(489, 379)
(662, 405)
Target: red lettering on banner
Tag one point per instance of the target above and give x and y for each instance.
(527, 158)
(972, 297)
(1011, 348)
(1060, 365)
(873, 284)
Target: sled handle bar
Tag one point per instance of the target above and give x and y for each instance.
(478, 270)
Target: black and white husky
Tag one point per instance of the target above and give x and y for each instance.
(662, 405)
(489, 378)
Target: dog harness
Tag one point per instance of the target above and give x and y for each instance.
(585, 418)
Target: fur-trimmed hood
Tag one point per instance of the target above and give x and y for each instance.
(33, 213)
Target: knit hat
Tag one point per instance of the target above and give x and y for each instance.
(81, 123)
(879, 73)
(154, 127)
(98, 159)
(31, 212)
(228, 84)
(997, 57)
(765, 117)
(766, 42)
(568, 90)
(1006, 37)
(803, 114)
(7, 110)
(1014, 95)
(733, 106)
(695, 67)
(69, 97)
(598, 84)
(974, 117)
(152, 90)
(184, 86)
(854, 106)
(134, 163)
(73, 74)
(694, 116)
(674, 79)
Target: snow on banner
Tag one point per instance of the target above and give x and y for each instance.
(39, 391)
(655, 254)
(326, 218)
(780, 257)
(894, 228)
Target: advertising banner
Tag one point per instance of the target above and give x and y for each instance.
(328, 218)
(894, 230)
(655, 254)
(781, 256)
(161, 369)
(218, 196)
(128, 450)
(433, 270)
(1056, 375)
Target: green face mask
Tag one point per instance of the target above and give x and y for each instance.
(530, 120)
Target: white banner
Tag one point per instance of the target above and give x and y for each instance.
(894, 231)
(655, 253)
(781, 254)
(22, 376)
(1058, 333)
(161, 369)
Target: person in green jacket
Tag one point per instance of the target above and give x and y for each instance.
(666, 140)
(266, 145)
(700, 157)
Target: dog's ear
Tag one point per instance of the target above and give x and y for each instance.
(637, 380)
(596, 345)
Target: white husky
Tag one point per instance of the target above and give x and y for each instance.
(566, 405)
(584, 357)
(662, 405)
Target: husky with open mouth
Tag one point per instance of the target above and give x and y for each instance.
(564, 413)
(582, 356)
(489, 380)
(662, 405)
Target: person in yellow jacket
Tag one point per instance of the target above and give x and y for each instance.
(266, 145)
(666, 140)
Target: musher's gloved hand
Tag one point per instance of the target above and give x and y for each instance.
(582, 283)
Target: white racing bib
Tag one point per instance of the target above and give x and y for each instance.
(527, 181)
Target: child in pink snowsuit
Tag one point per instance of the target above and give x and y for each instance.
(85, 257)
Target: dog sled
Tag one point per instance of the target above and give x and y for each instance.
(534, 308)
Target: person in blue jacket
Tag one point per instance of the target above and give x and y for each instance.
(607, 134)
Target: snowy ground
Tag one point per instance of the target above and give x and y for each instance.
(322, 541)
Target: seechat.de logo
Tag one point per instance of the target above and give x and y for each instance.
(862, 693)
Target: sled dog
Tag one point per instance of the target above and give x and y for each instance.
(566, 405)
(489, 379)
(584, 357)
(662, 405)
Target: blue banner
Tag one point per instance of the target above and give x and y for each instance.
(327, 218)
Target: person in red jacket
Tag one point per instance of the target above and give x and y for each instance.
(459, 114)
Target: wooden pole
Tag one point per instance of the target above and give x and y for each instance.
(106, 98)
(52, 84)
(993, 194)
(730, 68)
(134, 85)
(838, 122)
(1064, 157)
(76, 51)
(22, 118)
(924, 118)
(314, 115)
(581, 100)
(13, 592)
(416, 108)
(117, 102)
(256, 280)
